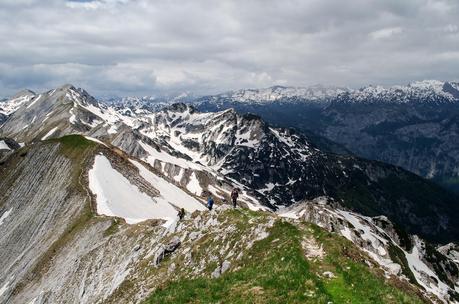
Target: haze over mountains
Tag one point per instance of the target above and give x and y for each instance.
(65, 157)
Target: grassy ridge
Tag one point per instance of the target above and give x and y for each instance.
(275, 270)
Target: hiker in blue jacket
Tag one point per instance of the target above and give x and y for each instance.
(210, 203)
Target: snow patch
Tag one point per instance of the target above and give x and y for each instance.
(116, 196)
(165, 157)
(420, 270)
(4, 216)
(193, 185)
(4, 146)
(95, 140)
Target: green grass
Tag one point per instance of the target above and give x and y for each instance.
(275, 270)
(114, 227)
(74, 145)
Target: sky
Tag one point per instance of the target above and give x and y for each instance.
(151, 47)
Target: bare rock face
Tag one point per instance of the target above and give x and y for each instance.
(166, 250)
(37, 193)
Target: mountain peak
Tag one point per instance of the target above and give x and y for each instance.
(25, 92)
(180, 107)
(66, 87)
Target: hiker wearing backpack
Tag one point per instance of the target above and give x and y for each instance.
(234, 196)
(181, 214)
(210, 203)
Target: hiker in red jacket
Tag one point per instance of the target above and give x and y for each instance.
(234, 196)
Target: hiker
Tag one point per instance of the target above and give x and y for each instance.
(234, 196)
(181, 214)
(210, 203)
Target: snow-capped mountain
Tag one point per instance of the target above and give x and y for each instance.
(83, 157)
(412, 126)
(131, 105)
(65, 110)
(427, 91)
(9, 106)
(420, 91)
(282, 94)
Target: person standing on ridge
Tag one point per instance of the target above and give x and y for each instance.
(234, 196)
(210, 203)
(181, 214)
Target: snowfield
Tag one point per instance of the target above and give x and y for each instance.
(193, 186)
(169, 193)
(116, 196)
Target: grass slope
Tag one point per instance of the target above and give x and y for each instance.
(275, 270)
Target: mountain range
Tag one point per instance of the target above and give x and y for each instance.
(82, 176)
(413, 126)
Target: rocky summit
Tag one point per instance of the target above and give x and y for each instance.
(91, 193)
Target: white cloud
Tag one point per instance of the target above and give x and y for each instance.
(206, 46)
(386, 32)
(451, 28)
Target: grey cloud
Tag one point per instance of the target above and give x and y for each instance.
(144, 47)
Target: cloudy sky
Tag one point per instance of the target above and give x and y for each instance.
(139, 47)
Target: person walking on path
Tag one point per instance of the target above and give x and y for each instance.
(234, 196)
